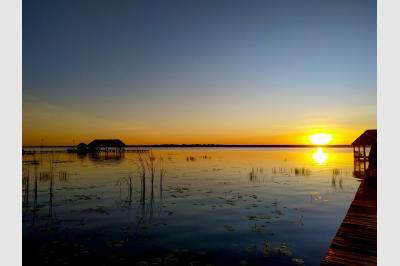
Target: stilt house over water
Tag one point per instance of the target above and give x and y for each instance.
(81, 147)
(107, 145)
(365, 150)
(365, 141)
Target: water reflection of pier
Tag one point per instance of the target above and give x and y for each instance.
(105, 156)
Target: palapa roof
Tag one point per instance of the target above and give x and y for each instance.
(367, 138)
(82, 144)
(106, 143)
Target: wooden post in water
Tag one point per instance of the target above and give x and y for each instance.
(365, 158)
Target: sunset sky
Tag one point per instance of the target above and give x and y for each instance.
(226, 72)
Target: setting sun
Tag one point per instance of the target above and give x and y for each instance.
(320, 138)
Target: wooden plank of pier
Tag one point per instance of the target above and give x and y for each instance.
(355, 240)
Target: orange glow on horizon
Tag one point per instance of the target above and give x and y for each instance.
(58, 126)
(177, 137)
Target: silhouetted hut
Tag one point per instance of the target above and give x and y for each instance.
(367, 141)
(81, 148)
(106, 145)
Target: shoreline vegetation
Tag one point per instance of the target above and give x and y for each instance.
(210, 146)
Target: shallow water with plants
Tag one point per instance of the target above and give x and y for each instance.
(185, 206)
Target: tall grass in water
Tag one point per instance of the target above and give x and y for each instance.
(301, 171)
(280, 171)
(48, 176)
(129, 183)
(152, 169)
(337, 177)
(256, 175)
(297, 171)
(35, 188)
(142, 177)
(41, 174)
(190, 158)
(148, 167)
(253, 175)
(51, 189)
(63, 176)
(162, 173)
(25, 186)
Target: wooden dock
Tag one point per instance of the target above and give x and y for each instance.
(355, 240)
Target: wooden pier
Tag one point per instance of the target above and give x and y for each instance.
(355, 241)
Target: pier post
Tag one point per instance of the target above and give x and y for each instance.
(365, 158)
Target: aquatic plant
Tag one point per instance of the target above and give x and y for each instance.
(63, 176)
(128, 180)
(283, 249)
(162, 173)
(142, 176)
(229, 227)
(98, 209)
(298, 261)
(253, 175)
(266, 249)
(152, 169)
(25, 186)
(301, 171)
(299, 221)
(337, 175)
(44, 176)
(336, 171)
(190, 158)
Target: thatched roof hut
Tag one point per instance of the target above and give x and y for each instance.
(106, 143)
(81, 148)
(81, 145)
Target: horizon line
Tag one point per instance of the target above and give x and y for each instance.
(208, 145)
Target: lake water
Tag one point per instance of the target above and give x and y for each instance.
(196, 206)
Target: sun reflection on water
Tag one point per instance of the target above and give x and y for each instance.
(320, 156)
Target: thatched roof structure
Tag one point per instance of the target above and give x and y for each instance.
(81, 145)
(107, 143)
(368, 138)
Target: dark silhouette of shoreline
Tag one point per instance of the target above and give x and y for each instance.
(214, 146)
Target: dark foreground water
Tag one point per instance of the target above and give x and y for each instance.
(189, 206)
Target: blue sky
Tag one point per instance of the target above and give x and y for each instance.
(197, 71)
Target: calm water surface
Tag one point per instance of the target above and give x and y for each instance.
(193, 206)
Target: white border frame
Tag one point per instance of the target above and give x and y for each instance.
(388, 98)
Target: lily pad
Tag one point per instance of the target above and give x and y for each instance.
(284, 249)
(98, 209)
(229, 227)
(298, 261)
